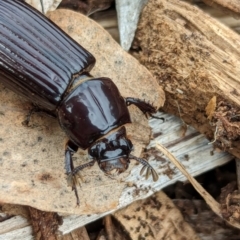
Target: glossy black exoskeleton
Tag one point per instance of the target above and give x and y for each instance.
(39, 61)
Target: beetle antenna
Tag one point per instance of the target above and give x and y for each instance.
(146, 165)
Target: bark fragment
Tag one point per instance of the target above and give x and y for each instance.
(194, 58)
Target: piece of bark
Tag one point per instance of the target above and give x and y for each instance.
(227, 18)
(32, 158)
(155, 218)
(13, 223)
(194, 58)
(231, 6)
(44, 224)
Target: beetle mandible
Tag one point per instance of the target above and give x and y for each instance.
(41, 62)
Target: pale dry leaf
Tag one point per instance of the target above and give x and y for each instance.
(32, 159)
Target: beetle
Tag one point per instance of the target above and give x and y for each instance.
(42, 63)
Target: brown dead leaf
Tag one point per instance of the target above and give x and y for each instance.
(230, 200)
(45, 224)
(29, 154)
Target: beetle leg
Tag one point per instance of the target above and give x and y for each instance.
(81, 167)
(29, 115)
(71, 148)
(147, 108)
(141, 104)
(71, 172)
(146, 165)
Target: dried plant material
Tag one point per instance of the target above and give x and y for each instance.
(204, 222)
(226, 118)
(109, 228)
(32, 158)
(45, 224)
(231, 6)
(155, 218)
(193, 56)
(212, 203)
(79, 233)
(230, 199)
(44, 6)
(210, 108)
(86, 7)
(192, 149)
(15, 210)
(12, 224)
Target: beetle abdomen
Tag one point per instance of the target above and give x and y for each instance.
(37, 59)
(91, 110)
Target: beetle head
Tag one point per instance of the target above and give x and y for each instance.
(113, 153)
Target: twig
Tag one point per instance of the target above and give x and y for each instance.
(214, 205)
(109, 227)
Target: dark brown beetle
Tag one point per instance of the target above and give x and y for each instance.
(39, 61)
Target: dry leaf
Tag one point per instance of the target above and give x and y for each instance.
(32, 159)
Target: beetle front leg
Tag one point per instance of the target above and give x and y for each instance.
(33, 110)
(147, 108)
(71, 172)
(71, 179)
(141, 104)
(146, 165)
